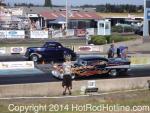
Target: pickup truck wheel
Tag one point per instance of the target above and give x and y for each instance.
(34, 58)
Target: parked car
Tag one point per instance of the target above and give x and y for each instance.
(139, 31)
(130, 23)
(123, 25)
(94, 65)
(49, 51)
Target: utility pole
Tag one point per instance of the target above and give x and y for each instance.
(1, 5)
(48, 3)
(66, 17)
(0, 9)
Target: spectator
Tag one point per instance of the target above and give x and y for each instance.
(67, 79)
(123, 51)
(118, 53)
(111, 51)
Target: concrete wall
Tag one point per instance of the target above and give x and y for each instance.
(55, 89)
(107, 46)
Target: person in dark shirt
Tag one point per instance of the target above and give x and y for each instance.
(111, 51)
(118, 53)
(122, 52)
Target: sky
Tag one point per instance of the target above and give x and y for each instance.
(80, 2)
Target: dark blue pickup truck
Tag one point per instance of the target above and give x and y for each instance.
(50, 51)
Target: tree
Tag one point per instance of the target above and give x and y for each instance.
(117, 8)
(2, 3)
(48, 3)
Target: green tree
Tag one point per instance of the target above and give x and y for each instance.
(2, 3)
(116, 8)
(48, 3)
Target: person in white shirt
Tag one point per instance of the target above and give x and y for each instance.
(67, 78)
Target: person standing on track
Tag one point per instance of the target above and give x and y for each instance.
(67, 78)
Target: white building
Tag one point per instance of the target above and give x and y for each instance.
(104, 27)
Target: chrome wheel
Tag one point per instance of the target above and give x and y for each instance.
(34, 58)
(67, 56)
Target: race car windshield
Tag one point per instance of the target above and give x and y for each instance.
(95, 62)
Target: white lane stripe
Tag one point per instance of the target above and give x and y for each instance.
(62, 97)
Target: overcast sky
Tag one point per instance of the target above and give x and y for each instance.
(80, 2)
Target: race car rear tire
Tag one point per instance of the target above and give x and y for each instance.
(124, 72)
(34, 58)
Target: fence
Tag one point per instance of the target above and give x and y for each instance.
(11, 34)
(72, 32)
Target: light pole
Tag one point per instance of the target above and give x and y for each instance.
(66, 17)
(0, 13)
(28, 3)
(0, 10)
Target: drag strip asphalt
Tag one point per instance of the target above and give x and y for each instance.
(47, 77)
(44, 73)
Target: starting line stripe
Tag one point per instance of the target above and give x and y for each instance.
(63, 97)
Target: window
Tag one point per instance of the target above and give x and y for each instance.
(101, 25)
(107, 26)
(52, 46)
(73, 24)
(147, 4)
(81, 24)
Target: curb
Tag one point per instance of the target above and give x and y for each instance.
(78, 96)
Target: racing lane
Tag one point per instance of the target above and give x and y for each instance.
(14, 57)
(26, 79)
(46, 76)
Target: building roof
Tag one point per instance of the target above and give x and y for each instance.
(121, 15)
(37, 10)
(75, 15)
